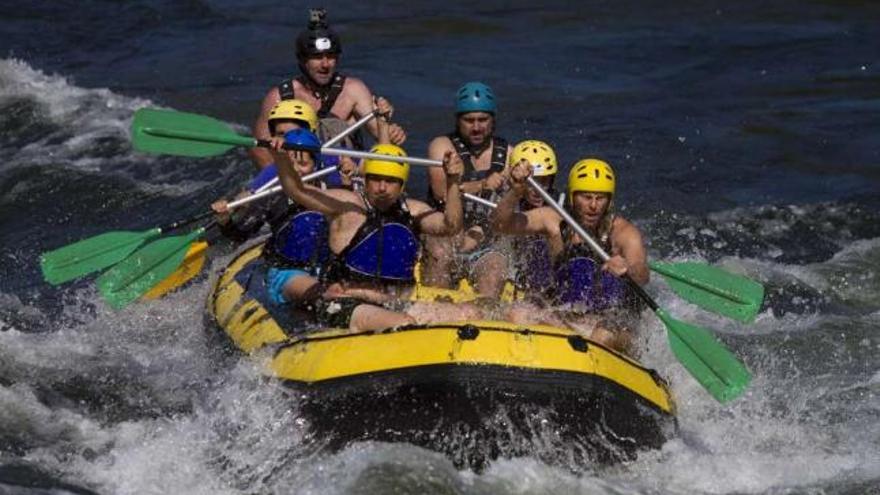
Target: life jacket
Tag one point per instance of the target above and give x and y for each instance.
(327, 95)
(580, 280)
(475, 213)
(299, 237)
(384, 249)
(533, 264)
(299, 240)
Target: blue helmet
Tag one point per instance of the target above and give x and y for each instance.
(475, 97)
(304, 140)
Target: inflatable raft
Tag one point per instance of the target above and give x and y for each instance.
(474, 390)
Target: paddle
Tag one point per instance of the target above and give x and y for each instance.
(192, 264)
(188, 134)
(158, 261)
(706, 286)
(137, 274)
(98, 252)
(707, 360)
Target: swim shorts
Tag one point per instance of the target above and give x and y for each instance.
(277, 278)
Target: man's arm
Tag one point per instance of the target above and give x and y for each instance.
(628, 253)
(261, 156)
(383, 119)
(451, 220)
(330, 203)
(505, 219)
(436, 150)
(363, 104)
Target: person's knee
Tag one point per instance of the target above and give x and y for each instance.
(490, 273)
(618, 339)
(438, 249)
(491, 264)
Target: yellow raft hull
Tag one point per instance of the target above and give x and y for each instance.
(475, 390)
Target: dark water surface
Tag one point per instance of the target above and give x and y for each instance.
(743, 134)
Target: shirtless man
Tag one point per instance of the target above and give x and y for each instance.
(484, 155)
(583, 286)
(375, 242)
(335, 96)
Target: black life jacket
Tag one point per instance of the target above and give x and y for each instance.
(327, 95)
(475, 213)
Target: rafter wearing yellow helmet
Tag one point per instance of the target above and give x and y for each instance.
(539, 154)
(293, 110)
(387, 168)
(590, 175)
(542, 158)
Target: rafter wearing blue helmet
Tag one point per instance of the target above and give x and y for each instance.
(484, 156)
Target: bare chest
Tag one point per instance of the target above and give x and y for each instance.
(343, 107)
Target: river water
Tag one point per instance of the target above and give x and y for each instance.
(741, 134)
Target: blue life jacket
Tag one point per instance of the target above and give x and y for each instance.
(385, 248)
(532, 261)
(581, 281)
(301, 241)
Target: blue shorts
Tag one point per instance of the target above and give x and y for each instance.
(277, 278)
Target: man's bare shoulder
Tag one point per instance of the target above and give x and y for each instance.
(273, 96)
(624, 229)
(418, 207)
(354, 85)
(440, 144)
(549, 218)
(343, 194)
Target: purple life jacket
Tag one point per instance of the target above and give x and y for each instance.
(580, 281)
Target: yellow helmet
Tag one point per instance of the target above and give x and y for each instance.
(293, 110)
(387, 168)
(590, 175)
(539, 155)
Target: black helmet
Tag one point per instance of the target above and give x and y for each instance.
(318, 37)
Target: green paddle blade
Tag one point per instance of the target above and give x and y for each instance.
(707, 360)
(91, 255)
(713, 289)
(138, 273)
(183, 134)
(190, 267)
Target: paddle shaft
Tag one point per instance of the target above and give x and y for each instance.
(242, 201)
(352, 128)
(590, 241)
(268, 192)
(388, 158)
(335, 140)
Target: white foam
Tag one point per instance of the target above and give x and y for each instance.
(81, 118)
